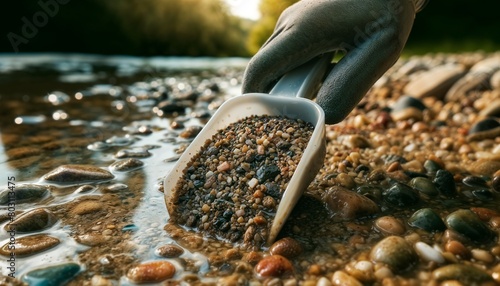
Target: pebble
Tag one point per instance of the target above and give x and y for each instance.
(30, 245)
(77, 174)
(169, 251)
(87, 207)
(401, 195)
(467, 274)
(52, 275)
(362, 270)
(274, 266)
(190, 132)
(355, 141)
(484, 125)
(458, 249)
(267, 172)
(432, 166)
(495, 183)
(484, 167)
(428, 220)
(126, 165)
(474, 181)
(390, 225)
(482, 255)
(428, 253)
(85, 189)
(138, 152)
(492, 110)
(171, 106)
(286, 247)
(407, 113)
(435, 82)
(33, 220)
(445, 183)
(151, 272)
(340, 278)
(91, 239)
(468, 224)
(424, 186)
(395, 252)
(23, 193)
(120, 140)
(407, 101)
(347, 204)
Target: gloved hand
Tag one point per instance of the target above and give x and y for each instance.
(372, 34)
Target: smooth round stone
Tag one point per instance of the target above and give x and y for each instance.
(126, 165)
(77, 174)
(424, 186)
(435, 82)
(53, 275)
(87, 207)
(484, 125)
(85, 189)
(468, 224)
(484, 167)
(431, 166)
(457, 248)
(151, 272)
(428, 220)
(395, 252)
(346, 204)
(483, 195)
(407, 101)
(467, 274)
(91, 239)
(133, 153)
(492, 109)
(428, 253)
(33, 220)
(407, 113)
(474, 181)
(340, 278)
(287, 247)
(401, 195)
(370, 191)
(445, 183)
(169, 251)
(274, 266)
(390, 225)
(29, 245)
(23, 193)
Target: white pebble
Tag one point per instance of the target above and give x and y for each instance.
(252, 183)
(428, 253)
(209, 174)
(364, 265)
(323, 281)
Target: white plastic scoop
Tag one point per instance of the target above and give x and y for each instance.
(288, 98)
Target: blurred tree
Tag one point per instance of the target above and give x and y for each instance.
(136, 27)
(270, 11)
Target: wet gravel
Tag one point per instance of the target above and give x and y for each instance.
(408, 194)
(232, 187)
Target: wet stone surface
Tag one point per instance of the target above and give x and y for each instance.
(408, 193)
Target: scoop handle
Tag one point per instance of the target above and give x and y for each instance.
(303, 80)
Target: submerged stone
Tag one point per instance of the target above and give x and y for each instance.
(467, 274)
(52, 275)
(401, 195)
(77, 173)
(427, 219)
(468, 224)
(33, 220)
(445, 183)
(29, 245)
(395, 252)
(23, 193)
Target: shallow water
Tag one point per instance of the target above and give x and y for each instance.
(54, 107)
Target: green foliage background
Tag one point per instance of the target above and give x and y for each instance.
(206, 28)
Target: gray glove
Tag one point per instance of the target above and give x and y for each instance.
(372, 34)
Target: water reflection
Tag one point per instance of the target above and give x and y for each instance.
(95, 111)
